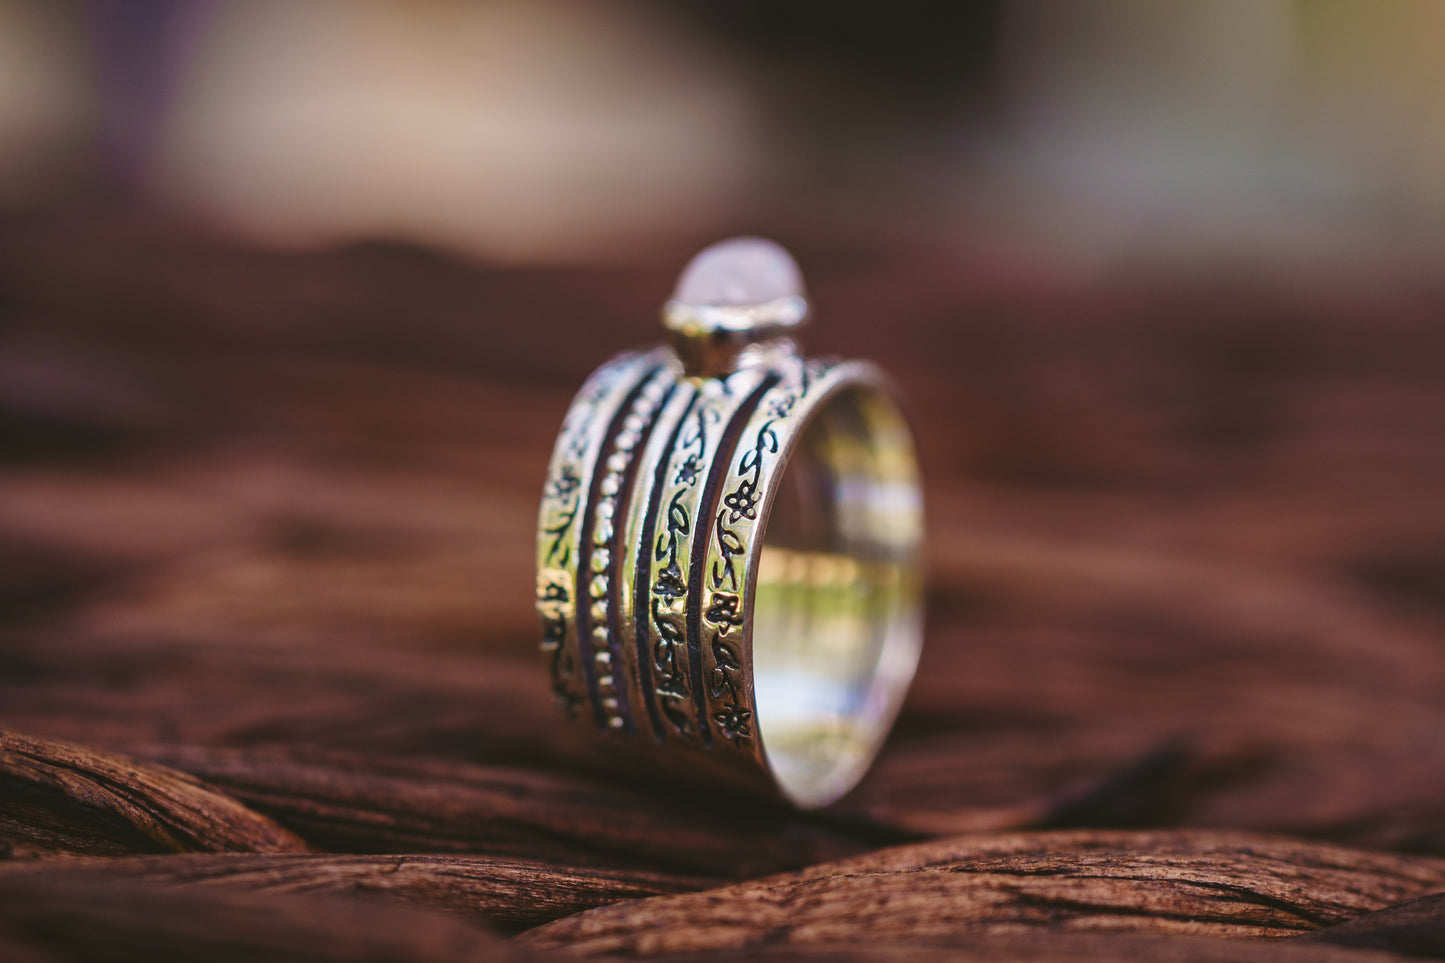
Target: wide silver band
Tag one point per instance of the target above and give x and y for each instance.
(729, 566)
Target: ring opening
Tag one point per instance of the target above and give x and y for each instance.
(837, 609)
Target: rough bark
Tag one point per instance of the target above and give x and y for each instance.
(1415, 928)
(75, 920)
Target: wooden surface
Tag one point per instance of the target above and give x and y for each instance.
(268, 671)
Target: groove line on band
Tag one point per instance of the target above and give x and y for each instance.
(585, 575)
(712, 493)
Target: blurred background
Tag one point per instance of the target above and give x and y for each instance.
(294, 295)
(571, 131)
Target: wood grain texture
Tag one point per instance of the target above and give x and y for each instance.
(71, 919)
(387, 805)
(63, 798)
(1178, 882)
(266, 530)
(504, 894)
(1051, 948)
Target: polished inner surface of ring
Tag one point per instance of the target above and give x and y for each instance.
(835, 619)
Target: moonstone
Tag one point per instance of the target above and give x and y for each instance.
(738, 272)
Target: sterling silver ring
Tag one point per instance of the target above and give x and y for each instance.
(729, 545)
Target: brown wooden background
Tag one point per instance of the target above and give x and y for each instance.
(268, 671)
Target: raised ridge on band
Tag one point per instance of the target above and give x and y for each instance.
(596, 568)
(566, 504)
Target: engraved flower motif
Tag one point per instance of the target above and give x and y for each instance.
(565, 483)
(733, 721)
(672, 686)
(669, 583)
(783, 407)
(723, 611)
(687, 472)
(742, 502)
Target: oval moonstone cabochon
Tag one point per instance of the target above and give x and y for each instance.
(738, 272)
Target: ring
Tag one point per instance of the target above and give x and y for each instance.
(729, 569)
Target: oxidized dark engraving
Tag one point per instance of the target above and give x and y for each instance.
(553, 604)
(730, 545)
(679, 525)
(688, 471)
(724, 612)
(559, 553)
(562, 503)
(671, 684)
(724, 609)
(733, 721)
(669, 589)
